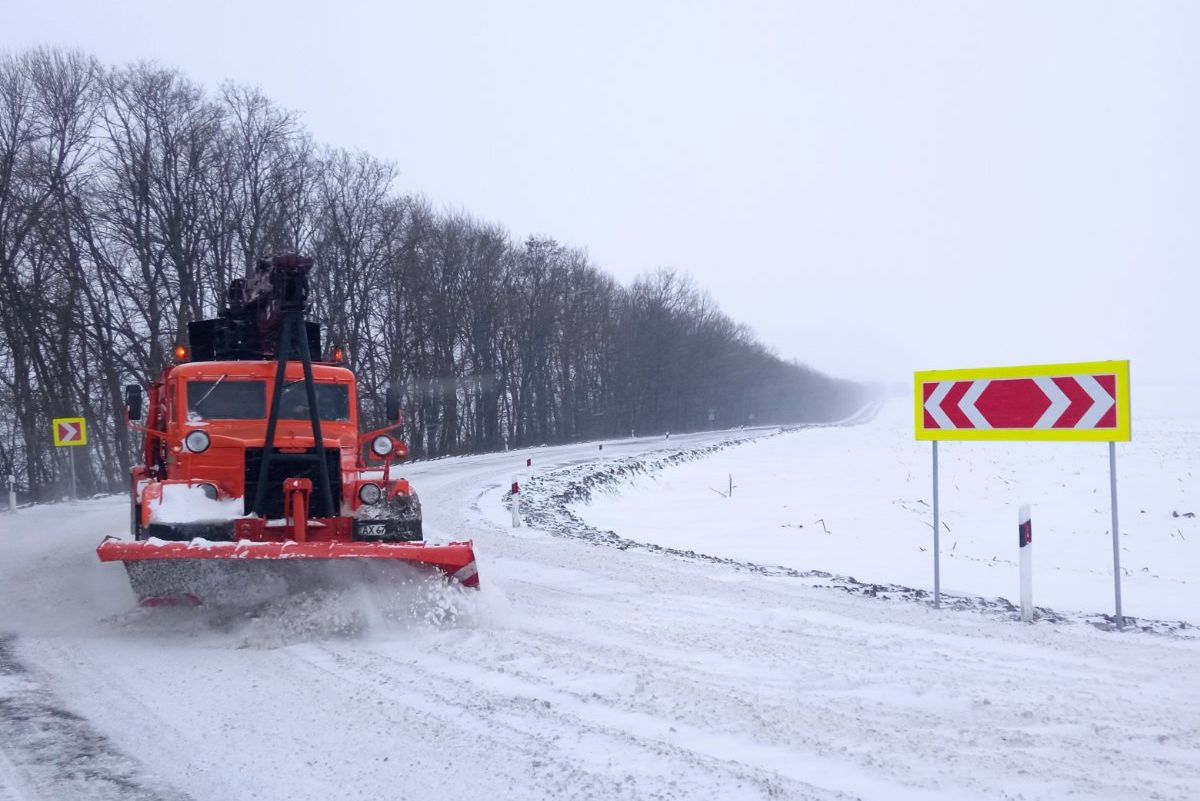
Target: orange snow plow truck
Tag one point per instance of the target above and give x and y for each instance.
(253, 462)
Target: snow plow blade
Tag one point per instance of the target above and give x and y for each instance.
(172, 573)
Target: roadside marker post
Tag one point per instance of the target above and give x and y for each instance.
(70, 432)
(1025, 548)
(12, 493)
(1077, 402)
(516, 503)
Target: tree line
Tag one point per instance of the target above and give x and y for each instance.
(130, 197)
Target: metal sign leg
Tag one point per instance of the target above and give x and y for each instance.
(71, 457)
(937, 553)
(1112, 479)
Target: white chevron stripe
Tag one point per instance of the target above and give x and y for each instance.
(1101, 401)
(466, 572)
(934, 404)
(967, 404)
(1059, 402)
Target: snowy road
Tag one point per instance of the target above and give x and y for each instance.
(577, 672)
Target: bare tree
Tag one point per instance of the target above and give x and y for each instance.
(130, 198)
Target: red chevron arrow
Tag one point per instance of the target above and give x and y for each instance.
(68, 432)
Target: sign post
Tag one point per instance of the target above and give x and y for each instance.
(70, 432)
(1112, 490)
(1080, 402)
(937, 551)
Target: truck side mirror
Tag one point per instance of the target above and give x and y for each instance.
(133, 401)
(391, 403)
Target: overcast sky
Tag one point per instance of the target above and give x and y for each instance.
(874, 187)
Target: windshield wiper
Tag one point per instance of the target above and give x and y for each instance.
(197, 404)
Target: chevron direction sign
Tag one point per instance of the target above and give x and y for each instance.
(69, 431)
(1083, 402)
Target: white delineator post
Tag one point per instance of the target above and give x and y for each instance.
(1025, 543)
(12, 494)
(516, 504)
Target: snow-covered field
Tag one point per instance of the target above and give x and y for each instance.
(582, 671)
(856, 502)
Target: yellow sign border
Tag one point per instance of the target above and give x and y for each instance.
(82, 431)
(1122, 433)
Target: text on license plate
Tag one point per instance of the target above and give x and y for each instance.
(374, 530)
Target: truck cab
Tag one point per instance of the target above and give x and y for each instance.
(206, 430)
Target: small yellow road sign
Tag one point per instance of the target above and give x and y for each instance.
(69, 431)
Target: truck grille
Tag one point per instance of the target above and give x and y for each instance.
(293, 465)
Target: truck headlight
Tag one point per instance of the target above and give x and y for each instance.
(370, 493)
(382, 445)
(196, 442)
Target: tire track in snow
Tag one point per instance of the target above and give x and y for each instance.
(869, 687)
(925, 702)
(554, 730)
(52, 753)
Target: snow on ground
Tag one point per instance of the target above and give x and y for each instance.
(579, 671)
(856, 502)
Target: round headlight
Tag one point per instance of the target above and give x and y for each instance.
(209, 490)
(369, 493)
(196, 442)
(382, 445)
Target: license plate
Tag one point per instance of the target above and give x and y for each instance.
(374, 530)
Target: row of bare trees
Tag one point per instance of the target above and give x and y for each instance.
(130, 198)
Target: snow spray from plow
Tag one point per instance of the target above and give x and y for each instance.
(277, 603)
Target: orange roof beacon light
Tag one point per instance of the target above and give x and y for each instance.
(181, 354)
(337, 355)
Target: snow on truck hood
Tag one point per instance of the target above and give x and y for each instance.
(182, 503)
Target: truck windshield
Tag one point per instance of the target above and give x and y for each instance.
(247, 400)
(333, 401)
(226, 400)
